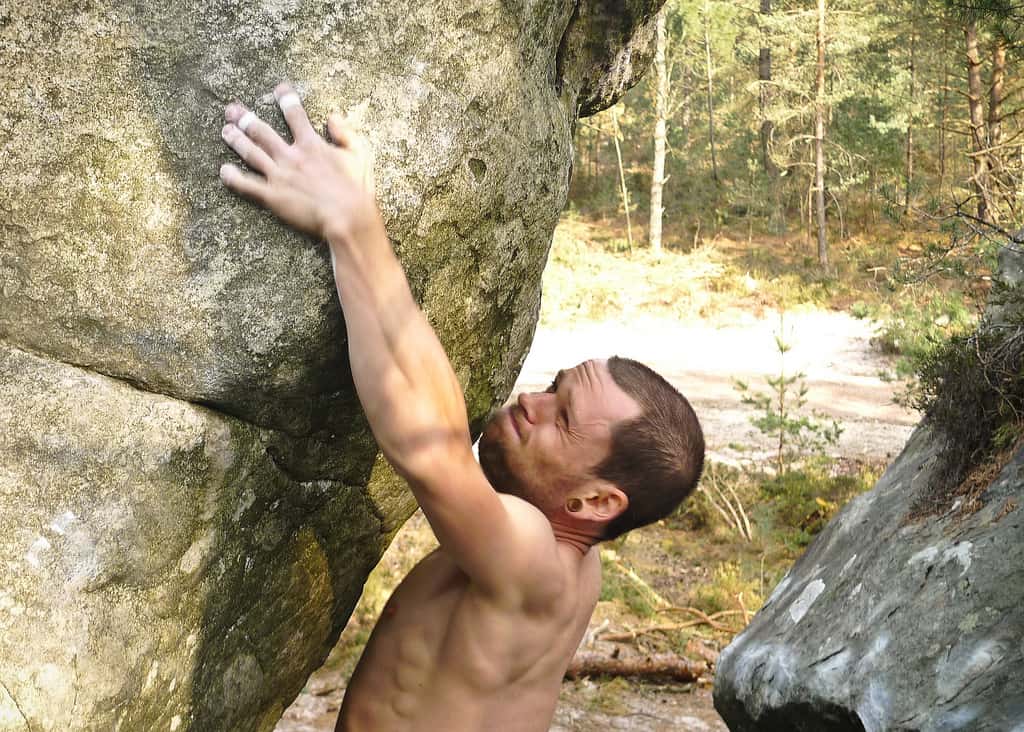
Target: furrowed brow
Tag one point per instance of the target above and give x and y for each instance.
(558, 378)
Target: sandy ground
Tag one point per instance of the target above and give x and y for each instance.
(703, 360)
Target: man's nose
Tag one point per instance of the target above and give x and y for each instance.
(536, 405)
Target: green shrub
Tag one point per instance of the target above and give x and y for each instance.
(727, 583)
(915, 329)
(796, 435)
(803, 501)
(971, 390)
(617, 585)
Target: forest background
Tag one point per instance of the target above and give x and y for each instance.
(819, 116)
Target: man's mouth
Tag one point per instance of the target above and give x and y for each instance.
(515, 422)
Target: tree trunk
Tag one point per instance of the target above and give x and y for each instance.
(943, 107)
(711, 99)
(978, 136)
(660, 134)
(777, 216)
(912, 68)
(764, 76)
(997, 93)
(819, 139)
(685, 109)
(616, 134)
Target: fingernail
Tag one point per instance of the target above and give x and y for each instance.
(225, 171)
(247, 119)
(289, 100)
(225, 131)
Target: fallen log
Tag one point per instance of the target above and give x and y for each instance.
(661, 666)
(632, 635)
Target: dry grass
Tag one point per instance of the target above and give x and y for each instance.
(969, 496)
(591, 276)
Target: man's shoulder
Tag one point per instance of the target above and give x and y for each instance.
(526, 515)
(534, 536)
(547, 569)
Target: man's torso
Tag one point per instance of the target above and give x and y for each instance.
(443, 656)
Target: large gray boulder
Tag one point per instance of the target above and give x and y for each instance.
(907, 611)
(190, 498)
(891, 621)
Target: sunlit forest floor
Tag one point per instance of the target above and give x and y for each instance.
(705, 313)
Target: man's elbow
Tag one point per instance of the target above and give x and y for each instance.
(431, 455)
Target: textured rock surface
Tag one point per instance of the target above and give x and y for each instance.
(890, 625)
(189, 495)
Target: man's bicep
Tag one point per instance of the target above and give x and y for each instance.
(500, 549)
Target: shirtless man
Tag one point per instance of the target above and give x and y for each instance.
(479, 635)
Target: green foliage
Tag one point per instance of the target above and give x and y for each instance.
(608, 697)
(802, 492)
(796, 434)
(872, 101)
(971, 390)
(1006, 16)
(620, 584)
(729, 581)
(916, 328)
(860, 310)
(803, 501)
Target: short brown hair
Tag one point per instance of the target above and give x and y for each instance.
(657, 458)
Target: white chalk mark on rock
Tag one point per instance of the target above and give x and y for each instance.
(39, 546)
(961, 553)
(953, 674)
(873, 708)
(61, 523)
(924, 556)
(803, 603)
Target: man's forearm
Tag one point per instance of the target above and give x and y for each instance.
(403, 377)
(405, 383)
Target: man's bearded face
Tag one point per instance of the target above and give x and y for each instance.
(494, 460)
(547, 443)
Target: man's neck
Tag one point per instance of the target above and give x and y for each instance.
(578, 537)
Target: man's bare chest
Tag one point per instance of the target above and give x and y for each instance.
(432, 588)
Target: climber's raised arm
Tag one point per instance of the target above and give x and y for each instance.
(405, 382)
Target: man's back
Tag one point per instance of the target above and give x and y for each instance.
(446, 656)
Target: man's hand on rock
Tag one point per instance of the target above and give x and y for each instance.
(322, 189)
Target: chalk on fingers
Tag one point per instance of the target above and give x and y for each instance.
(289, 100)
(247, 119)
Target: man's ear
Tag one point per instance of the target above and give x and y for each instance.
(600, 502)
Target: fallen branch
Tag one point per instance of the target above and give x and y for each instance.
(633, 577)
(704, 618)
(659, 666)
(631, 635)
